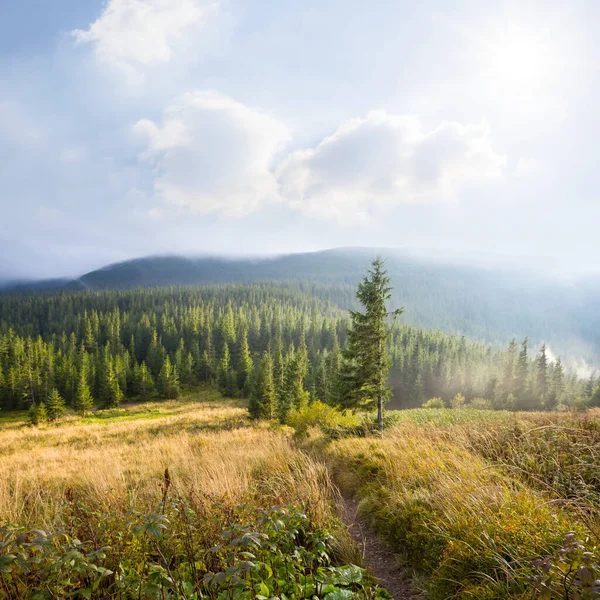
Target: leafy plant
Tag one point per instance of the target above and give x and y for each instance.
(573, 573)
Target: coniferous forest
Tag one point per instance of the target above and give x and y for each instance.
(279, 345)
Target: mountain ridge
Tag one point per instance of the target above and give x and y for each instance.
(492, 304)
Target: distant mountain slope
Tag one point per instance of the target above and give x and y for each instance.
(486, 304)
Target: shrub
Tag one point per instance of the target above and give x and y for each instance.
(573, 572)
(319, 414)
(458, 401)
(279, 553)
(481, 404)
(37, 414)
(434, 403)
(468, 531)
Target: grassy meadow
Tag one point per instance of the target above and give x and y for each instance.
(190, 499)
(478, 504)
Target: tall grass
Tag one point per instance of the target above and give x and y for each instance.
(198, 468)
(431, 486)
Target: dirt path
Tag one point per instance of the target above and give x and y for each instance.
(377, 555)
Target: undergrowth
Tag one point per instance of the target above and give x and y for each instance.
(437, 487)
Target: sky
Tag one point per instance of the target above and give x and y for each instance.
(137, 127)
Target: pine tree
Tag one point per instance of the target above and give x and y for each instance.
(83, 398)
(278, 370)
(56, 406)
(226, 378)
(419, 396)
(37, 413)
(542, 375)
(509, 375)
(205, 368)
(110, 394)
(245, 366)
(557, 385)
(521, 388)
(263, 400)
(366, 361)
(169, 380)
(144, 383)
(293, 394)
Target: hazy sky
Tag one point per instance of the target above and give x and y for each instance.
(130, 127)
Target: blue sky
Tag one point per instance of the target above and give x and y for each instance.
(134, 127)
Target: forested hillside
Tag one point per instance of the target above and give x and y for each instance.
(99, 348)
(491, 305)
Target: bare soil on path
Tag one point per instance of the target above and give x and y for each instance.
(377, 554)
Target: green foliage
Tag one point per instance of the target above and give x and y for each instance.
(457, 401)
(434, 403)
(466, 530)
(55, 406)
(83, 400)
(37, 414)
(573, 572)
(40, 565)
(366, 361)
(120, 341)
(168, 379)
(325, 416)
(263, 401)
(280, 553)
(481, 404)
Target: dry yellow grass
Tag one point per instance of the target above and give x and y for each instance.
(468, 526)
(115, 466)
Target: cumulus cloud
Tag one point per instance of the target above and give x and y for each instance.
(385, 159)
(131, 34)
(213, 155)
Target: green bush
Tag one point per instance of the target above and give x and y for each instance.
(481, 404)
(457, 402)
(278, 554)
(434, 403)
(319, 414)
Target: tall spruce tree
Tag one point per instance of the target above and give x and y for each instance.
(366, 362)
(83, 397)
(542, 375)
(263, 400)
(56, 406)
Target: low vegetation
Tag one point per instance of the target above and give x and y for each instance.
(203, 497)
(478, 504)
(169, 501)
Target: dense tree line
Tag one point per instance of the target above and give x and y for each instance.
(278, 345)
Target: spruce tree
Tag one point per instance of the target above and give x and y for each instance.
(83, 397)
(169, 380)
(37, 413)
(557, 385)
(263, 400)
(56, 406)
(144, 383)
(521, 387)
(542, 375)
(245, 366)
(366, 361)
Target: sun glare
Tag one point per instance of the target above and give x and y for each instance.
(520, 60)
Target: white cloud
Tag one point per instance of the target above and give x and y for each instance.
(213, 155)
(386, 160)
(132, 34)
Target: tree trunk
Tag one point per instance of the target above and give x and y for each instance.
(380, 412)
